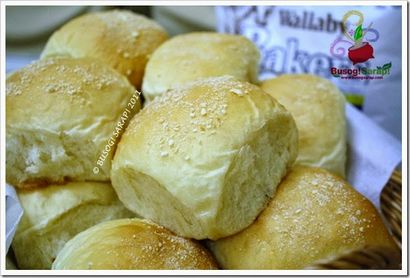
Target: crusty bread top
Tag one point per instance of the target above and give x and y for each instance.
(187, 57)
(314, 215)
(132, 244)
(72, 96)
(319, 111)
(119, 38)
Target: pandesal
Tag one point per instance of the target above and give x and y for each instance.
(63, 119)
(119, 38)
(132, 244)
(318, 108)
(204, 159)
(56, 213)
(191, 56)
(314, 215)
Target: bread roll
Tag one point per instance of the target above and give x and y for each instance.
(191, 56)
(132, 244)
(204, 159)
(56, 213)
(61, 117)
(319, 111)
(119, 38)
(314, 215)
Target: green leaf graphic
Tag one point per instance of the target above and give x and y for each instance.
(387, 66)
(354, 99)
(358, 33)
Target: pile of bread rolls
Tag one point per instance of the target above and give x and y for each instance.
(216, 171)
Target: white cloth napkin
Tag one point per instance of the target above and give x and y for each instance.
(14, 212)
(373, 154)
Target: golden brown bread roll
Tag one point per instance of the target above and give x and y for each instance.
(132, 244)
(119, 38)
(205, 158)
(313, 216)
(191, 56)
(61, 116)
(319, 111)
(56, 213)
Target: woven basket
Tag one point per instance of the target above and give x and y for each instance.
(374, 257)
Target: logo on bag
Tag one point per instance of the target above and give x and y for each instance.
(361, 51)
(357, 39)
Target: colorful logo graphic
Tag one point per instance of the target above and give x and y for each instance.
(359, 48)
(361, 51)
(355, 43)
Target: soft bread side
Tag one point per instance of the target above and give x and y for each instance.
(319, 111)
(56, 213)
(60, 116)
